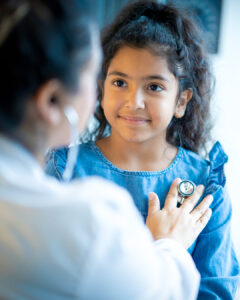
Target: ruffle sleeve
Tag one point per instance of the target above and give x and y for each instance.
(216, 178)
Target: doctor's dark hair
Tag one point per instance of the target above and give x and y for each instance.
(170, 33)
(40, 40)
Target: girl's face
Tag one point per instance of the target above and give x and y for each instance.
(140, 95)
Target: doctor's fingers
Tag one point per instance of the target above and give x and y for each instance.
(198, 212)
(172, 196)
(191, 201)
(153, 203)
(202, 222)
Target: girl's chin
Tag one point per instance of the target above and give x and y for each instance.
(135, 139)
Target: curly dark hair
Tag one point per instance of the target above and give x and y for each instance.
(169, 32)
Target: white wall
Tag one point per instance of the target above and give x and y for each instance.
(227, 104)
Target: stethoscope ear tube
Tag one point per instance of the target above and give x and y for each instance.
(73, 119)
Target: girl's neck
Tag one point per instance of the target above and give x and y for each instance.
(149, 155)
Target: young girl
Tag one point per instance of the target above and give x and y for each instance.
(153, 115)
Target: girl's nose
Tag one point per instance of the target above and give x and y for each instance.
(135, 100)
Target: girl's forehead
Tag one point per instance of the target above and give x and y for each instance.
(139, 62)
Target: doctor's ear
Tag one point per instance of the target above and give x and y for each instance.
(182, 103)
(49, 102)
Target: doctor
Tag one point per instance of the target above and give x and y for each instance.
(82, 240)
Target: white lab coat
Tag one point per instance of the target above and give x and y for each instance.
(83, 240)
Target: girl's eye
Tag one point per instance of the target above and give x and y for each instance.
(119, 83)
(155, 88)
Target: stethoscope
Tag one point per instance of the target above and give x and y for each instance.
(185, 189)
(72, 117)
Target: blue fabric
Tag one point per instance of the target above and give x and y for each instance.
(213, 251)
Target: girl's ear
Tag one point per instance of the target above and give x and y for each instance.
(183, 100)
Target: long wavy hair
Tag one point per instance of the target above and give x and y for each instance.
(172, 33)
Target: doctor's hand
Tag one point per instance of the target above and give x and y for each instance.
(183, 223)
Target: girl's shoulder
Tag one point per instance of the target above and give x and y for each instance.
(212, 168)
(56, 159)
(216, 156)
(62, 153)
(88, 151)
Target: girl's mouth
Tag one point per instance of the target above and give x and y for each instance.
(135, 120)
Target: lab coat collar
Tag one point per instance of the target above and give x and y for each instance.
(17, 163)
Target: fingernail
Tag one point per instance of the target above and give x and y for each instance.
(209, 212)
(178, 180)
(200, 188)
(151, 196)
(210, 198)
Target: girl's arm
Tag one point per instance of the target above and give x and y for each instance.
(214, 253)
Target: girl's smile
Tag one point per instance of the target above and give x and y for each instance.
(134, 120)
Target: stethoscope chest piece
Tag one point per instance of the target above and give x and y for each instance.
(185, 189)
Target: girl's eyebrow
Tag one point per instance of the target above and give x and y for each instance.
(158, 77)
(118, 74)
